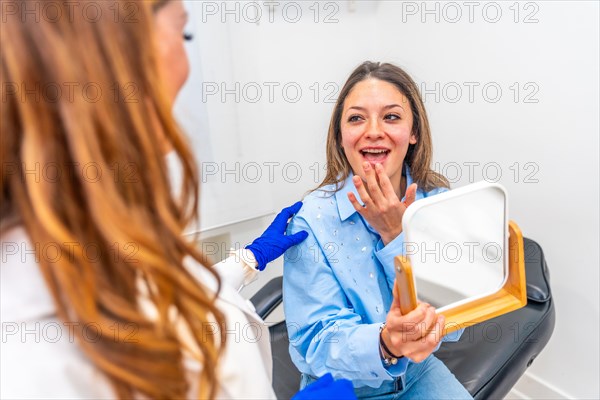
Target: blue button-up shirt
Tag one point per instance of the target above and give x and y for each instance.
(338, 289)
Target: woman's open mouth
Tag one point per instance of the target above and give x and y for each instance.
(375, 155)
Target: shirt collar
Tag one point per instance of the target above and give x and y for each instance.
(345, 208)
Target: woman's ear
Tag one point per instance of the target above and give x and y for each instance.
(412, 139)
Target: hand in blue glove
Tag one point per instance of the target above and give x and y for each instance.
(325, 388)
(274, 242)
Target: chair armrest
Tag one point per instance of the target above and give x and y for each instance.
(268, 297)
(490, 357)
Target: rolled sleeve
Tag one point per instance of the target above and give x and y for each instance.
(453, 336)
(238, 270)
(368, 356)
(386, 253)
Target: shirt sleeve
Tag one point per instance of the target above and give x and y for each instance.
(238, 270)
(454, 336)
(386, 253)
(322, 326)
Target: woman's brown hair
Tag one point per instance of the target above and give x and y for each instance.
(419, 155)
(83, 114)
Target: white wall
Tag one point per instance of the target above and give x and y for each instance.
(544, 141)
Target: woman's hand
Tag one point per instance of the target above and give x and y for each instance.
(414, 335)
(383, 210)
(274, 242)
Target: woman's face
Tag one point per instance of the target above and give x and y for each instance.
(376, 126)
(170, 23)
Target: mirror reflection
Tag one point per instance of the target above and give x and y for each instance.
(456, 242)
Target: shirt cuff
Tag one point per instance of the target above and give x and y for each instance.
(250, 265)
(239, 269)
(386, 254)
(247, 257)
(368, 355)
(453, 336)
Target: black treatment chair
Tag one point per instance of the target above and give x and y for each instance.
(488, 359)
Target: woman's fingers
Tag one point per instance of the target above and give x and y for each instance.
(411, 194)
(357, 206)
(380, 189)
(415, 334)
(421, 323)
(420, 349)
(396, 300)
(372, 184)
(429, 321)
(384, 182)
(362, 192)
(439, 326)
(413, 325)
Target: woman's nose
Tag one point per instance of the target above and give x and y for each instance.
(374, 130)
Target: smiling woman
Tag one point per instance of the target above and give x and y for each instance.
(377, 128)
(400, 91)
(341, 308)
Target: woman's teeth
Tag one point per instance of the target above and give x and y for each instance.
(375, 151)
(374, 154)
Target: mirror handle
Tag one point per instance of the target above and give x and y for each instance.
(405, 282)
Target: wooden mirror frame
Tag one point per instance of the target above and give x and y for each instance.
(511, 296)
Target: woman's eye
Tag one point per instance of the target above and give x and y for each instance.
(354, 118)
(188, 36)
(392, 117)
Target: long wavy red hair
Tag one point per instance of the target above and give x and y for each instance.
(83, 104)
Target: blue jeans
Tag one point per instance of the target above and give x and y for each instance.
(429, 379)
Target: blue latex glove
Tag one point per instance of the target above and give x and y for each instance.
(325, 388)
(274, 242)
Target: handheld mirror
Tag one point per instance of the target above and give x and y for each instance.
(462, 256)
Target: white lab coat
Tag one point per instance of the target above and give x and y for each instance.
(40, 359)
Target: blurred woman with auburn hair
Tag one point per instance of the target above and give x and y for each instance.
(102, 296)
